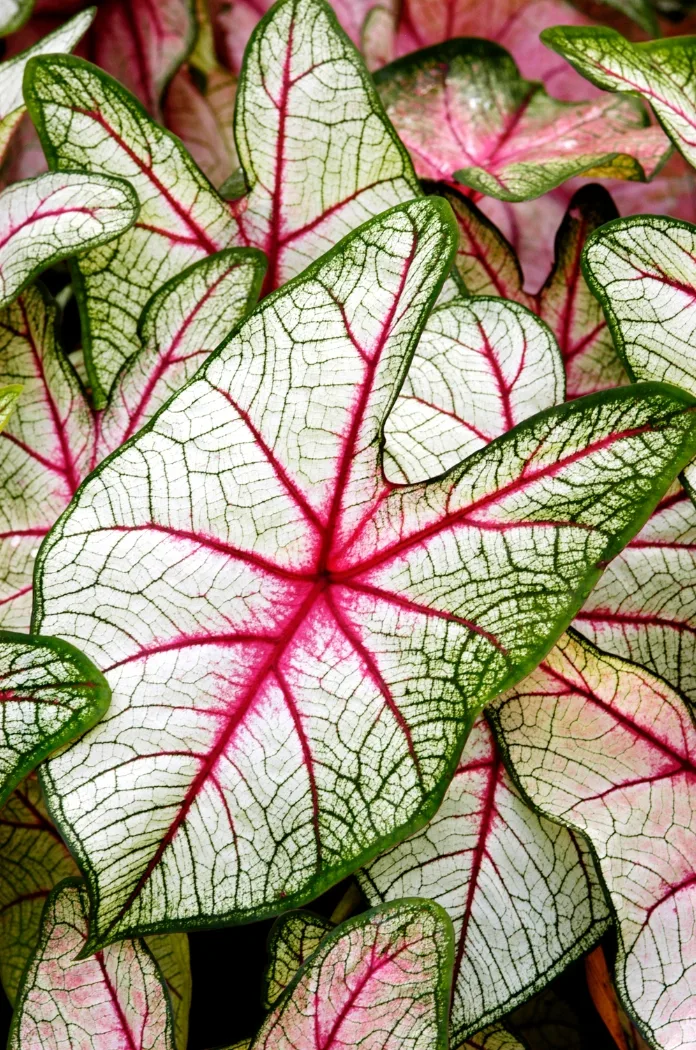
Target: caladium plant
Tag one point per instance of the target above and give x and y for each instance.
(308, 598)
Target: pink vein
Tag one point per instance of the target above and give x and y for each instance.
(118, 1009)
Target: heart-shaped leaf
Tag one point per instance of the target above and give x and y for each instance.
(380, 980)
(482, 366)
(644, 606)
(488, 265)
(12, 72)
(116, 997)
(33, 860)
(465, 113)
(521, 891)
(661, 71)
(609, 749)
(298, 595)
(55, 437)
(49, 694)
(294, 937)
(143, 44)
(55, 216)
(88, 122)
(643, 272)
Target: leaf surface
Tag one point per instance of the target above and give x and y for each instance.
(55, 216)
(113, 999)
(381, 981)
(89, 122)
(644, 606)
(609, 749)
(643, 272)
(13, 14)
(661, 71)
(49, 694)
(12, 71)
(520, 890)
(465, 113)
(55, 438)
(298, 583)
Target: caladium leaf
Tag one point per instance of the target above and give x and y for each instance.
(171, 952)
(495, 1037)
(303, 200)
(114, 998)
(661, 71)
(87, 121)
(12, 72)
(293, 939)
(609, 749)
(520, 890)
(203, 120)
(49, 694)
(33, 860)
(482, 366)
(8, 399)
(55, 437)
(488, 265)
(380, 604)
(465, 113)
(380, 980)
(55, 216)
(143, 44)
(643, 272)
(644, 607)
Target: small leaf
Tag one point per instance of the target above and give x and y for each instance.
(12, 72)
(495, 1037)
(488, 265)
(143, 44)
(313, 174)
(55, 438)
(49, 694)
(610, 750)
(644, 606)
(87, 121)
(661, 71)
(643, 272)
(325, 638)
(293, 939)
(521, 891)
(115, 997)
(465, 113)
(381, 980)
(171, 952)
(33, 860)
(13, 15)
(8, 399)
(55, 216)
(482, 366)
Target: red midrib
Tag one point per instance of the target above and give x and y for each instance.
(274, 231)
(503, 388)
(488, 811)
(118, 1009)
(34, 217)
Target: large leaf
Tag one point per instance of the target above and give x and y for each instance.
(49, 694)
(644, 607)
(143, 44)
(488, 265)
(465, 113)
(482, 366)
(54, 437)
(319, 155)
(643, 272)
(521, 891)
(52, 217)
(324, 637)
(88, 122)
(12, 71)
(661, 71)
(606, 747)
(381, 980)
(114, 998)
